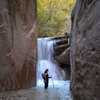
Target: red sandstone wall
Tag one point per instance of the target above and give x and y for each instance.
(18, 34)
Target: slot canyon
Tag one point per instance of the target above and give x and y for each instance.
(73, 59)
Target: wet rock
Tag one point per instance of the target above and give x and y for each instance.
(62, 43)
(64, 57)
(64, 62)
(85, 50)
(17, 44)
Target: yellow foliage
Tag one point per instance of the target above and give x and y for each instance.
(52, 12)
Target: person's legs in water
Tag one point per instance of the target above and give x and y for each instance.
(46, 84)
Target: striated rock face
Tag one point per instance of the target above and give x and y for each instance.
(85, 50)
(17, 44)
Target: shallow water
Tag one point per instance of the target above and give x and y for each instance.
(61, 87)
(60, 91)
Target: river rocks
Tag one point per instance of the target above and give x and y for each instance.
(17, 44)
(85, 50)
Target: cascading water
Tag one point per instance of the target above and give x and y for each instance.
(46, 59)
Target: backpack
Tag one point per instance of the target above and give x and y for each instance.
(42, 76)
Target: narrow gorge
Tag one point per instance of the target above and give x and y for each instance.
(74, 59)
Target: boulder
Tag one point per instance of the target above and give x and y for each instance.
(64, 57)
(64, 62)
(85, 50)
(18, 34)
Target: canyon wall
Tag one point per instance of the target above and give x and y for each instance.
(85, 50)
(18, 34)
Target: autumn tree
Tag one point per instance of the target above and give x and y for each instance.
(54, 17)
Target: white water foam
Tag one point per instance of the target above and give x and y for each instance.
(46, 59)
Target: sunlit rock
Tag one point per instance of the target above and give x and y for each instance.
(17, 44)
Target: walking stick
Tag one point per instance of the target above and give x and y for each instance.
(52, 82)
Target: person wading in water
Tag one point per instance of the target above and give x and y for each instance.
(46, 78)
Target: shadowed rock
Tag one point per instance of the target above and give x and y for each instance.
(62, 42)
(61, 37)
(64, 62)
(64, 57)
(85, 50)
(60, 49)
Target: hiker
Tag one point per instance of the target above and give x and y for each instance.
(46, 78)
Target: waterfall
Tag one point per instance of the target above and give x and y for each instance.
(46, 59)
